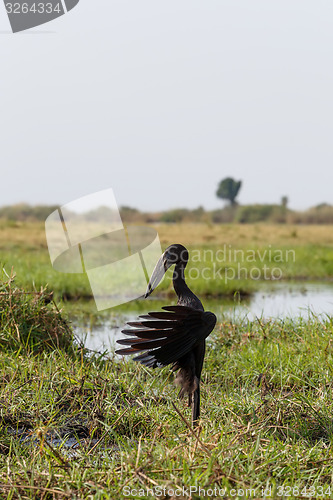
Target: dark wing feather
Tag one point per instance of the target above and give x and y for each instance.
(147, 334)
(159, 315)
(179, 310)
(166, 337)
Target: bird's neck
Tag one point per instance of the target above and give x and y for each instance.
(185, 296)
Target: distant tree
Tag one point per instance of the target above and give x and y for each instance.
(284, 201)
(228, 190)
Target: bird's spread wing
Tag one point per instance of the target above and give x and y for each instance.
(165, 336)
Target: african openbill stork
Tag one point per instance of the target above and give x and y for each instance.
(177, 335)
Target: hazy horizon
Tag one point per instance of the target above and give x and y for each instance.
(222, 206)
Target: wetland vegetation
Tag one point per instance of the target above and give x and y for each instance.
(267, 408)
(225, 257)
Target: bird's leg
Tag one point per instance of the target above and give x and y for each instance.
(196, 405)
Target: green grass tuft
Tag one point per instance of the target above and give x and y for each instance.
(30, 321)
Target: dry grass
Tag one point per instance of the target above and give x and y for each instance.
(22, 234)
(33, 234)
(240, 235)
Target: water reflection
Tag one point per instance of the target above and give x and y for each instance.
(289, 301)
(282, 301)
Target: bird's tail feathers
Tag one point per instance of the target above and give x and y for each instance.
(186, 379)
(189, 384)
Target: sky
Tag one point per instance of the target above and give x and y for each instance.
(161, 100)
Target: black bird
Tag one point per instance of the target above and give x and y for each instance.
(175, 336)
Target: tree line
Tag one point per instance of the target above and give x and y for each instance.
(231, 213)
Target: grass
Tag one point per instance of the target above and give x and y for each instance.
(30, 323)
(224, 259)
(267, 411)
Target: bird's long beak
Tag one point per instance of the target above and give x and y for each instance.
(161, 267)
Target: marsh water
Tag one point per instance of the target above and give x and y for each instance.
(283, 300)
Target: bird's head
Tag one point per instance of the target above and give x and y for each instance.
(174, 254)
